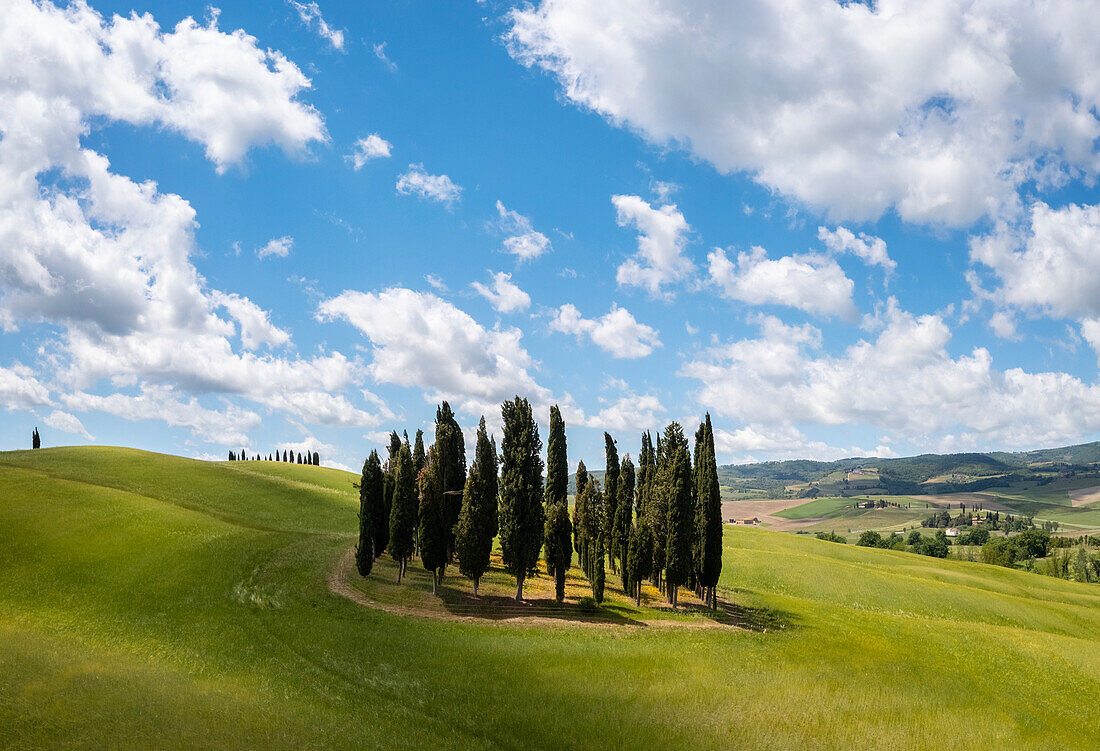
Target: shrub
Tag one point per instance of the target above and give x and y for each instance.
(588, 604)
(831, 537)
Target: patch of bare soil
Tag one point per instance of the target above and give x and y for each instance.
(1085, 496)
(765, 511)
(987, 501)
(529, 612)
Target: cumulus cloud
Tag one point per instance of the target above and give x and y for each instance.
(753, 443)
(939, 110)
(20, 389)
(868, 248)
(67, 423)
(617, 332)
(523, 241)
(276, 246)
(107, 260)
(662, 234)
(371, 147)
(417, 182)
(630, 412)
(310, 13)
(810, 282)
(904, 381)
(421, 340)
(504, 295)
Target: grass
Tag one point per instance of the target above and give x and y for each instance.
(148, 600)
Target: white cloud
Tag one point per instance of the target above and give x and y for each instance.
(870, 249)
(630, 412)
(504, 295)
(810, 282)
(107, 260)
(660, 258)
(310, 13)
(421, 340)
(1003, 325)
(228, 426)
(368, 148)
(19, 389)
(67, 423)
(940, 109)
(380, 53)
(1049, 264)
(753, 443)
(905, 382)
(616, 333)
(276, 246)
(434, 187)
(523, 241)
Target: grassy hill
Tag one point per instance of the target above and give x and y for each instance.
(149, 600)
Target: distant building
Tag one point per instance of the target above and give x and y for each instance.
(751, 521)
(952, 531)
(976, 520)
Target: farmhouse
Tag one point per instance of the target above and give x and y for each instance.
(953, 532)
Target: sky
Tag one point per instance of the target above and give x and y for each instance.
(841, 229)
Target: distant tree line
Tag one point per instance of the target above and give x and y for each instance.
(658, 521)
(313, 459)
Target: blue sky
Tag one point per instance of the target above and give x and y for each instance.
(858, 231)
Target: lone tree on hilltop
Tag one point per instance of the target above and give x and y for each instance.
(36, 440)
(370, 515)
(559, 531)
(403, 510)
(477, 521)
(521, 512)
(433, 542)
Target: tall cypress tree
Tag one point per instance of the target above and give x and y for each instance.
(370, 502)
(36, 439)
(657, 511)
(420, 458)
(451, 448)
(371, 489)
(403, 510)
(433, 541)
(521, 512)
(645, 461)
(624, 512)
(676, 485)
(316, 459)
(709, 531)
(582, 480)
(477, 522)
(611, 495)
(599, 548)
(559, 531)
(592, 523)
(639, 558)
(698, 492)
(388, 468)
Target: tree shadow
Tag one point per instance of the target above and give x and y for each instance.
(463, 603)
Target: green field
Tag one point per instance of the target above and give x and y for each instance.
(152, 601)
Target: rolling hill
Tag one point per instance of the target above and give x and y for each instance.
(149, 600)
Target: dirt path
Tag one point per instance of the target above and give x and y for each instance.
(1084, 496)
(338, 585)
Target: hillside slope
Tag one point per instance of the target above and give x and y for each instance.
(148, 600)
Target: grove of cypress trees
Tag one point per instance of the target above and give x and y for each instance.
(676, 486)
(624, 511)
(559, 531)
(709, 525)
(451, 450)
(433, 542)
(582, 480)
(370, 502)
(611, 494)
(403, 510)
(477, 521)
(521, 512)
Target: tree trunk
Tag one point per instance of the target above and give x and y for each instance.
(476, 582)
(638, 593)
(435, 583)
(559, 585)
(519, 588)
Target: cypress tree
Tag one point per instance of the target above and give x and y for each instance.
(611, 495)
(624, 512)
(599, 552)
(676, 486)
(645, 461)
(477, 521)
(36, 439)
(392, 451)
(592, 522)
(433, 543)
(370, 501)
(657, 511)
(419, 457)
(230, 454)
(582, 480)
(709, 532)
(559, 531)
(698, 491)
(451, 448)
(316, 459)
(639, 558)
(521, 512)
(403, 510)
